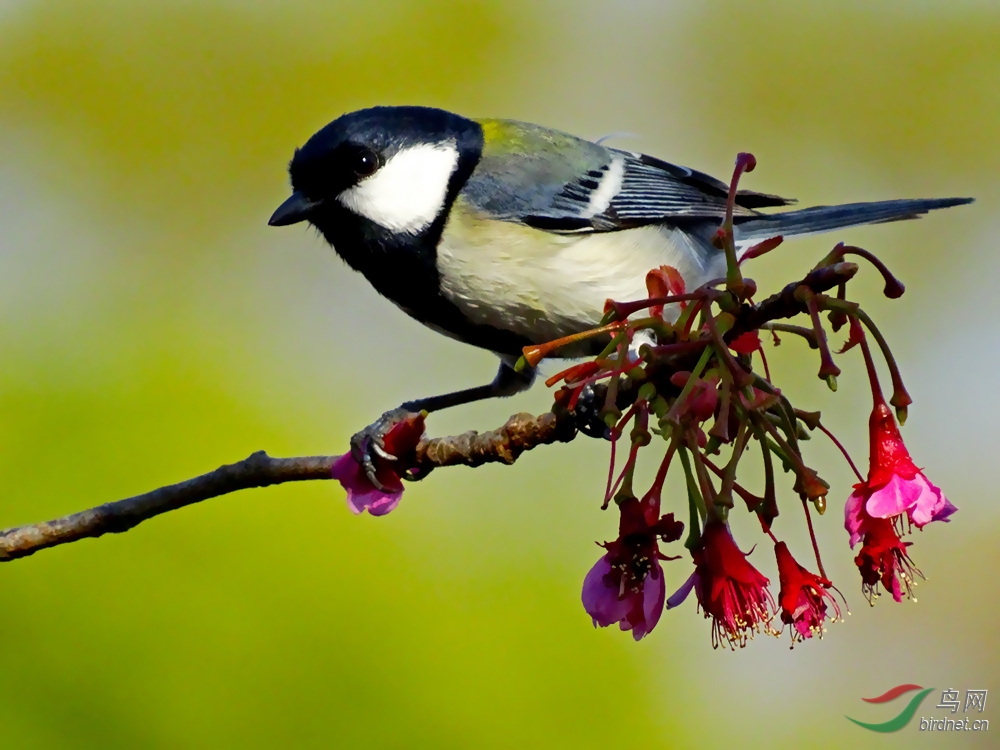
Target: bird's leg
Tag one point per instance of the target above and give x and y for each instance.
(369, 443)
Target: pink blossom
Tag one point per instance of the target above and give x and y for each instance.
(875, 509)
(400, 441)
(854, 515)
(634, 605)
(626, 585)
(895, 485)
(922, 501)
(361, 493)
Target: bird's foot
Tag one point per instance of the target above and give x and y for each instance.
(386, 442)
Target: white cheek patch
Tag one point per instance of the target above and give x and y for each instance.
(409, 191)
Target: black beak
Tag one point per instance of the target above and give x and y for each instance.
(292, 211)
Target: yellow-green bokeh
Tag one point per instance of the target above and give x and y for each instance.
(152, 327)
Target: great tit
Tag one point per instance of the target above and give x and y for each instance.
(503, 234)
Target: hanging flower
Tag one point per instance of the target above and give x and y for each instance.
(875, 510)
(895, 485)
(804, 597)
(884, 559)
(729, 589)
(626, 585)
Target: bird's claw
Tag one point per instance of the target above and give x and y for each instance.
(382, 452)
(369, 443)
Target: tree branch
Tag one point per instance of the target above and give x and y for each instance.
(784, 304)
(522, 432)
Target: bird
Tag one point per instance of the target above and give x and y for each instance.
(504, 234)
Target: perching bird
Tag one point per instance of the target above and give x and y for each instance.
(504, 234)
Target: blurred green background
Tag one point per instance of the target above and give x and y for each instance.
(152, 327)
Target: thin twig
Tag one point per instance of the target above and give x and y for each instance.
(521, 432)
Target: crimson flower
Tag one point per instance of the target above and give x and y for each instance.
(626, 585)
(883, 557)
(895, 485)
(362, 494)
(874, 511)
(803, 597)
(729, 589)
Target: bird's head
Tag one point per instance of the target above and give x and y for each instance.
(393, 169)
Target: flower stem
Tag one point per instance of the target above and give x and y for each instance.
(900, 398)
(783, 411)
(809, 334)
(741, 376)
(893, 287)
(705, 482)
(616, 434)
(753, 501)
(745, 162)
(828, 369)
(683, 324)
(611, 400)
(721, 427)
(656, 489)
(812, 536)
(763, 358)
(696, 504)
(877, 396)
(623, 309)
(729, 478)
(842, 450)
(811, 485)
(769, 510)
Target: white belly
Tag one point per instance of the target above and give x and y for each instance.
(543, 285)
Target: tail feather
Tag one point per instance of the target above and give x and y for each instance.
(828, 218)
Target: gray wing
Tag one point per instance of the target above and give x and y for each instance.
(639, 189)
(557, 182)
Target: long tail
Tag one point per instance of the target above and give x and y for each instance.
(827, 218)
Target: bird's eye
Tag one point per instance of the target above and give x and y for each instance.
(365, 163)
